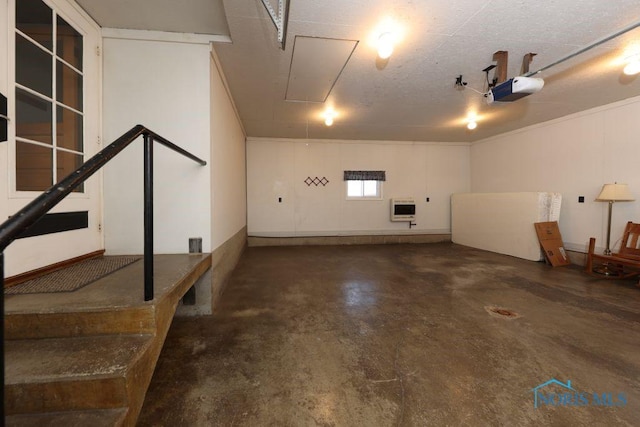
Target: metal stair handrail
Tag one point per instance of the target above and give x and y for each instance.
(11, 229)
(28, 215)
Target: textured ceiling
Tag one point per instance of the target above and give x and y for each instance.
(412, 96)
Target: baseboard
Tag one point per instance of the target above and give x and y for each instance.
(577, 258)
(348, 240)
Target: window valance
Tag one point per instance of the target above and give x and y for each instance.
(365, 176)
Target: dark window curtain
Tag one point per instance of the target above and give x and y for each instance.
(365, 176)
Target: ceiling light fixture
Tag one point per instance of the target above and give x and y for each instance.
(471, 120)
(633, 65)
(329, 115)
(385, 45)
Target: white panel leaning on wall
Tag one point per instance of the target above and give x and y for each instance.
(503, 222)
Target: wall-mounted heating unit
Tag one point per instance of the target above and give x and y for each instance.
(403, 209)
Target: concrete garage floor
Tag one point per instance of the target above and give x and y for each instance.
(400, 335)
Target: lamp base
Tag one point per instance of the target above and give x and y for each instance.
(608, 270)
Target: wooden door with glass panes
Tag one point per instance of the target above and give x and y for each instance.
(54, 101)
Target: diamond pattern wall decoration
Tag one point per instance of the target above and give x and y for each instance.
(316, 181)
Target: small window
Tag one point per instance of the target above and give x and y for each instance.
(364, 185)
(369, 189)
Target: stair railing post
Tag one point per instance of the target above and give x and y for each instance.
(2, 334)
(148, 217)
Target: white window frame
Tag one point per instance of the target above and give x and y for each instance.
(378, 195)
(66, 11)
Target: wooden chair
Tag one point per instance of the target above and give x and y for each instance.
(623, 264)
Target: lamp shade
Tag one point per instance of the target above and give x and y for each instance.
(615, 193)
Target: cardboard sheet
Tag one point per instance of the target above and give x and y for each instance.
(551, 242)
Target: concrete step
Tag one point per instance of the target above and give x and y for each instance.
(93, 418)
(73, 323)
(86, 357)
(113, 304)
(79, 373)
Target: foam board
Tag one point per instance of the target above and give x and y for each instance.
(503, 222)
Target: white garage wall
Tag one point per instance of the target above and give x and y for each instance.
(575, 156)
(277, 168)
(228, 163)
(166, 87)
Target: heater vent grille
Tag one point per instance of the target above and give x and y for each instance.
(403, 209)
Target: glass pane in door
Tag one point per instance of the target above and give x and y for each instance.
(33, 66)
(33, 117)
(66, 164)
(69, 86)
(69, 130)
(35, 19)
(69, 46)
(33, 167)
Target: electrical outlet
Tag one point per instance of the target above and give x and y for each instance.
(427, 199)
(580, 199)
(279, 199)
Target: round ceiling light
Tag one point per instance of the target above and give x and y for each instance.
(329, 115)
(633, 67)
(385, 45)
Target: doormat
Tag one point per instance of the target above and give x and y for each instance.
(74, 277)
